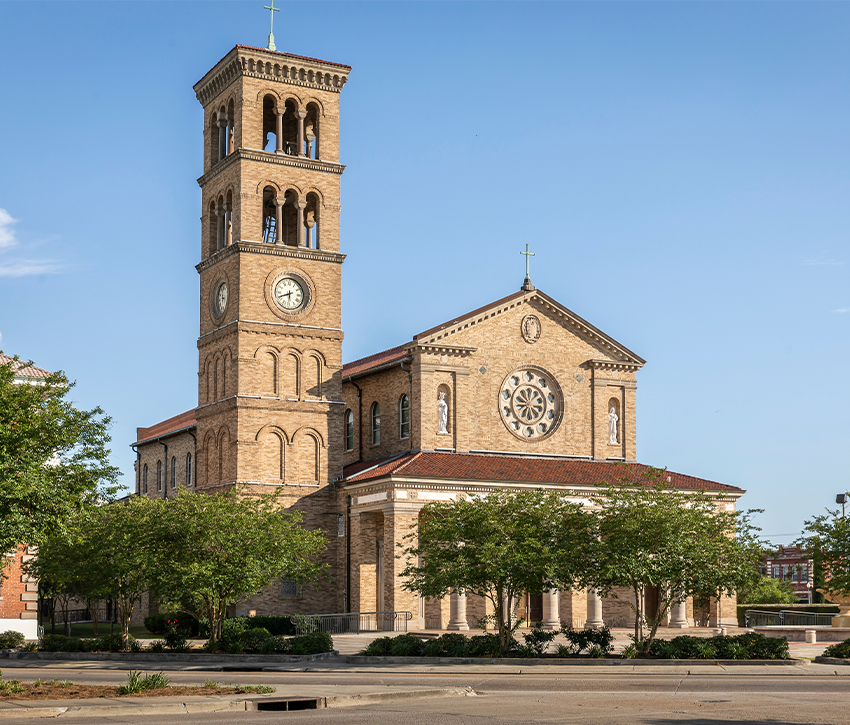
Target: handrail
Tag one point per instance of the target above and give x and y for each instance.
(352, 622)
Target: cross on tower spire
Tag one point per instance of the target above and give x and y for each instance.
(272, 10)
(526, 285)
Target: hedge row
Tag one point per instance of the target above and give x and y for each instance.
(191, 627)
(738, 647)
(842, 649)
(260, 641)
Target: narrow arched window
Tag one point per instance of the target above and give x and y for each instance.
(159, 475)
(188, 469)
(349, 430)
(173, 472)
(376, 424)
(404, 417)
(145, 478)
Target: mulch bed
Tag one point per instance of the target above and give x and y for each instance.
(56, 691)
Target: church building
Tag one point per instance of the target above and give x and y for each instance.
(520, 393)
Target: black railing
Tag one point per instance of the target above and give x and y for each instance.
(786, 618)
(352, 622)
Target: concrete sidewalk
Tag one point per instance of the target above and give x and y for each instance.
(313, 696)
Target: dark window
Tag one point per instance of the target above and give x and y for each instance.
(376, 424)
(349, 430)
(173, 472)
(159, 475)
(188, 469)
(145, 478)
(404, 417)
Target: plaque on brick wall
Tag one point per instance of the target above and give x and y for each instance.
(288, 588)
(531, 328)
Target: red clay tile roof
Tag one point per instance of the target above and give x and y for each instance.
(22, 370)
(172, 425)
(469, 314)
(518, 469)
(378, 360)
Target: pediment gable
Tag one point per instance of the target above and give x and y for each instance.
(449, 335)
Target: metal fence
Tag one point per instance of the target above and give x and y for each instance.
(785, 618)
(352, 622)
(83, 615)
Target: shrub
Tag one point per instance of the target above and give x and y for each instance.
(276, 625)
(186, 623)
(380, 647)
(842, 649)
(406, 645)
(451, 644)
(483, 645)
(252, 640)
(761, 647)
(137, 683)
(157, 646)
(51, 642)
(738, 647)
(309, 644)
(109, 643)
(11, 639)
(579, 640)
(538, 640)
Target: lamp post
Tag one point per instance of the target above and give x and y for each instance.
(842, 499)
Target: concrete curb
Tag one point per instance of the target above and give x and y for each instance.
(832, 660)
(145, 706)
(162, 657)
(569, 661)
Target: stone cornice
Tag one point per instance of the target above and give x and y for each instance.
(274, 250)
(266, 157)
(286, 69)
(459, 350)
(618, 365)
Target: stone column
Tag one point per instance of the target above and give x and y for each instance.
(222, 138)
(278, 130)
(457, 611)
(299, 223)
(310, 137)
(219, 227)
(229, 139)
(278, 219)
(310, 223)
(301, 115)
(551, 610)
(679, 616)
(594, 610)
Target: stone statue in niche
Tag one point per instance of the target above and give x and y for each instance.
(442, 414)
(612, 426)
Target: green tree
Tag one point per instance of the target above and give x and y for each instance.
(767, 590)
(53, 458)
(210, 551)
(828, 538)
(679, 542)
(497, 547)
(115, 540)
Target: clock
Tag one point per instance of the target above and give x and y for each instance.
(220, 299)
(289, 294)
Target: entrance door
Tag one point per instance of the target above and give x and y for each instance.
(650, 603)
(535, 609)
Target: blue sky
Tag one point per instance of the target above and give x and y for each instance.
(679, 169)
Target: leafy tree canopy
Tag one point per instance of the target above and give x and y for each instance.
(828, 537)
(498, 546)
(53, 458)
(682, 543)
(767, 590)
(209, 551)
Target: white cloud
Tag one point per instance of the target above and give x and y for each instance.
(7, 234)
(822, 260)
(842, 310)
(29, 267)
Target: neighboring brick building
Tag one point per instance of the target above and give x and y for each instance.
(519, 392)
(19, 592)
(793, 566)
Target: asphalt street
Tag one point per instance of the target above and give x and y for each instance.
(599, 697)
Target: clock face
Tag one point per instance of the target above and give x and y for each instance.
(289, 294)
(221, 299)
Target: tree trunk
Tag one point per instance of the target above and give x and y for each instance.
(94, 617)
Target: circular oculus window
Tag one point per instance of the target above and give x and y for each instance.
(530, 403)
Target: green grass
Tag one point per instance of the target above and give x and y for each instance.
(85, 630)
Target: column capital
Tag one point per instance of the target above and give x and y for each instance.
(301, 113)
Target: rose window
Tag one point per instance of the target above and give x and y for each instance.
(530, 403)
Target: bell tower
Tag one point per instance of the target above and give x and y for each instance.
(270, 345)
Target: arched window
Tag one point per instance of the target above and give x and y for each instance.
(188, 469)
(349, 430)
(145, 478)
(376, 424)
(173, 472)
(159, 475)
(404, 417)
